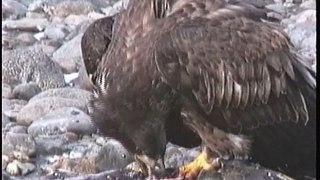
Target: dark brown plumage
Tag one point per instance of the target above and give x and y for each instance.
(237, 82)
(95, 41)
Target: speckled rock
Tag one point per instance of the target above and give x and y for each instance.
(301, 29)
(56, 31)
(66, 8)
(76, 20)
(62, 120)
(4, 120)
(36, 109)
(19, 168)
(176, 156)
(115, 8)
(26, 91)
(35, 15)
(12, 7)
(53, 144)
(112, 156)
(18, 129)
(8, 126)
(68, 56)
(26, 39)
(309, 4)
(67, 92)
(6, 91)
(12, 107)
(87, 148)
(23, 143)
(26, 24)
(49, 47)
(31, 64)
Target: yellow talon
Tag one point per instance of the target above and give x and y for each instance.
(191, 170)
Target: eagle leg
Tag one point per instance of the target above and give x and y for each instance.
(205, 161)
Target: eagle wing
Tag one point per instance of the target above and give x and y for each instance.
(95, 42)
(245, 70)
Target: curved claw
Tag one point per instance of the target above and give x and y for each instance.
(202, 162)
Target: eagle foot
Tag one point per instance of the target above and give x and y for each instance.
(202, 162)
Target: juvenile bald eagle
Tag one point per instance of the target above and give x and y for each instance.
(236, 82)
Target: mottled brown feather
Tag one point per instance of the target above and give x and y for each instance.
(231, 56)
(218, 65)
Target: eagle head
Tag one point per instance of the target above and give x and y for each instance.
(140, 129)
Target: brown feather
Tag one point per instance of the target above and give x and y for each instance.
(222, 66)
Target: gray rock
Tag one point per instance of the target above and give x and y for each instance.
(18, 129)
(23, 143)
(26, 24)
(11, 7)
(95, 15)
(26, 39)
(49, 47)
(56, 31)
(26, 168)
(87, 149)
(310, 4)
(26, 2)
(6, 104)
(30, 64)
(172, 157)
(6, 91)
(115, 8)
(14, 39)
(36, 109)
(5, 120)
(26, 91)
(35, 15)
(42, 5)
(50, 144)
(302, 33)
(176, 156)
(4, 165)
(67, 92)
(65, 8)
(13, 169)
(68, 56)
(76, 154)
(16, 168)
(62, 120)
(101, 3)
(12, 107)
(279, 8)
(112, 156)
(8, 126)
(76, 20)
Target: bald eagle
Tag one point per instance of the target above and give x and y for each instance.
(214, 67)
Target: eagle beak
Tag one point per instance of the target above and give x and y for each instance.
(152, 166)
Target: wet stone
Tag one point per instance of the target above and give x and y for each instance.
(26, 91)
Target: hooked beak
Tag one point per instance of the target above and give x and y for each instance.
(152, 166)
